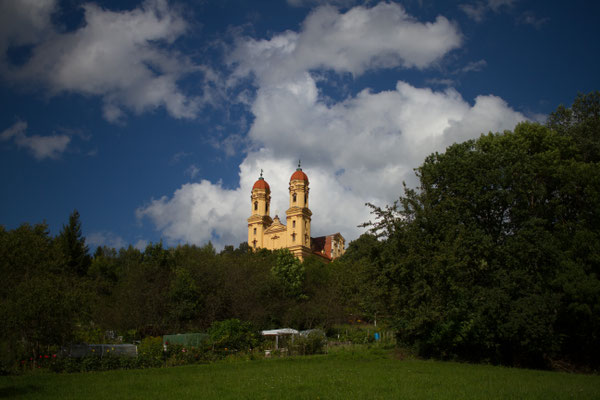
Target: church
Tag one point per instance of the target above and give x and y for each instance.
(294, 235)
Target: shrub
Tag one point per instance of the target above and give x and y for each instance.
(150, 352)
(312, 343)
(233, 335)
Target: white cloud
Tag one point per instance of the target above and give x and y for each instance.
(141, 244)
(24, 22)
(354, 150)
(359, 150)
(197, 213)
(528, 18)
(477, 10)
(104, 238)
(124, 57)
(474, 66)
(40, 146)
(441, 82)
(312, 3)
(496, 5)
(192, 171)
(383, 36)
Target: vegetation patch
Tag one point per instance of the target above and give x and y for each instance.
(349, 373)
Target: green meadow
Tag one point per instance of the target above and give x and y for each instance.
(344, 375)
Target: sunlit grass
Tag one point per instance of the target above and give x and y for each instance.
(344, 375)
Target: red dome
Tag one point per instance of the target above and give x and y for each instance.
(261, 184)
(299, 176)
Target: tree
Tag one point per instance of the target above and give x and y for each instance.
(40, 304)
(72, 244)
(184, 298)
(289, 272)
(234, 335)
(581, 122)
(494, 256)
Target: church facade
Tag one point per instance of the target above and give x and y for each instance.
(294, 235)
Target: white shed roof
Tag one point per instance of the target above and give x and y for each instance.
(280, 332)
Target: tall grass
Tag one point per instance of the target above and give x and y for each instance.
(346, 374)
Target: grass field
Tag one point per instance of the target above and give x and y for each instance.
(344, 375)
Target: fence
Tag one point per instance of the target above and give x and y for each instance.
(100, 350)
(186, 339)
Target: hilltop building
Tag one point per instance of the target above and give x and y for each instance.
(271, 233)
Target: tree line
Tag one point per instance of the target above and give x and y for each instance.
(494, 257)
(55, 293)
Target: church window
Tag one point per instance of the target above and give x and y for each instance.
(256, 206)
(255, 231)
(304, 198)
(293, 237)
(293, 223)
(294, 197)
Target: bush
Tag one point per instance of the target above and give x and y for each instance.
(178, 354)
(354, 334)
(312, 343)
(150, 352)
(233, 335)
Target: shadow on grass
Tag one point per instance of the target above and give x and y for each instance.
(11, 391)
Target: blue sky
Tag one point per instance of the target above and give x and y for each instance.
(154, 118)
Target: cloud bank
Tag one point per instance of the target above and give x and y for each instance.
(354, 150)
(126, 58)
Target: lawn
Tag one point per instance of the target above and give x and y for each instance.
(344, 375)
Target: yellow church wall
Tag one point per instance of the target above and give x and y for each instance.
(271, 234)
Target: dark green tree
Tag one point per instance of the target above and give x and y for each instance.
(493, 257)
(72, 244)
(40, 304)
(290, 273)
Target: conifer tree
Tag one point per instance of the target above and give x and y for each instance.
(72, 244)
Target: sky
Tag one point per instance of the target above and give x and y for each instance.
(154, 118)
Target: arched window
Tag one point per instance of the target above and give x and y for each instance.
(256, 206)
(255, 231)
(304, 198)
(293, 223)
(294, 197)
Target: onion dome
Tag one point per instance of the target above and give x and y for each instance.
(298, 175)
(261, 183)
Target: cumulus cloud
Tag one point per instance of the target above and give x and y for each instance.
(361, 39)
(124, 57)
(354, 150)
(197, 213)
(40, 146)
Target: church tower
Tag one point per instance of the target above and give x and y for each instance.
(259, 220)
(298, 215)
